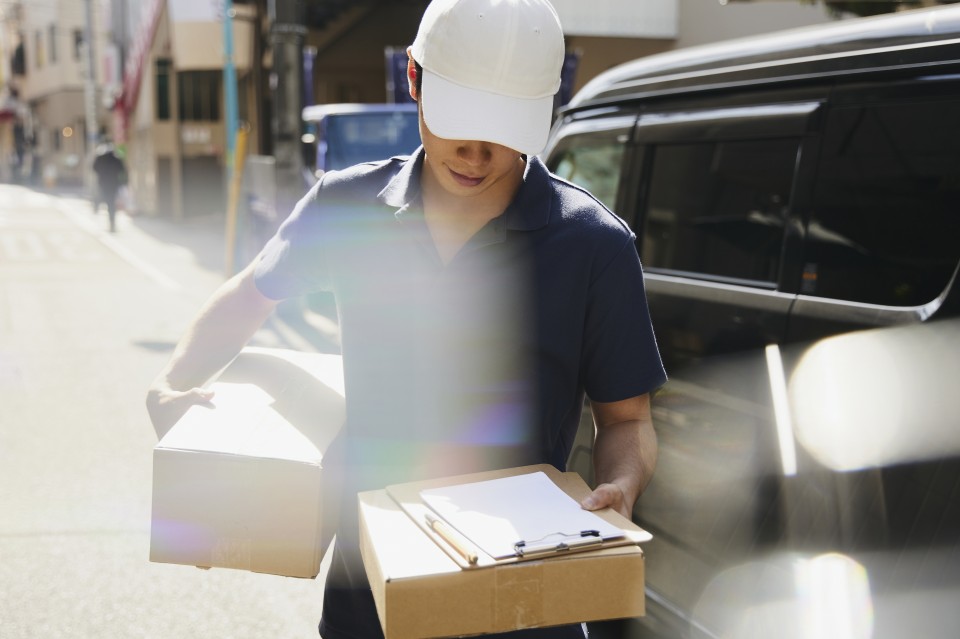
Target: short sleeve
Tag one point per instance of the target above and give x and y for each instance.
(621, 358)
(294, 261)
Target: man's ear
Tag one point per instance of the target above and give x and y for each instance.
(411, 75)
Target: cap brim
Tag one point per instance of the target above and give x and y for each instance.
(456, 112)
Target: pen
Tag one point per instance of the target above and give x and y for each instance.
(452, 537)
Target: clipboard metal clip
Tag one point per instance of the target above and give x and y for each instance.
(576, 541)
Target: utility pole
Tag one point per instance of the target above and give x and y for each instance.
(89, 89)
(230, 117)
(229, 88)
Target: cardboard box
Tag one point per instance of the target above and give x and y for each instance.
(422, 592)
(242, 484)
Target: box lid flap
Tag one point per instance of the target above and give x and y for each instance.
(240, 420)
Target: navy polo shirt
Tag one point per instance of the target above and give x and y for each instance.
(491, 352)
(474, 364)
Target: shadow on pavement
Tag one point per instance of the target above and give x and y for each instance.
(204, 236)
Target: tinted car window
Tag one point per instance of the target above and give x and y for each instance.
(886, 220)
(718, 208)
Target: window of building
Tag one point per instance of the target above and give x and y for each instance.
(163, 70)
(77, 44)
(52, 43)
(718, 208)
(18, 65)
(243, 98)
(38, 52)
(199, 95)
(886, 216)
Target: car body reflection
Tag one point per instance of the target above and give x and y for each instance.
(833, 514)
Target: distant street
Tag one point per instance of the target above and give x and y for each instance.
(87, 319)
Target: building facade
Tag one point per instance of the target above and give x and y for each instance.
(169, 113)
(12, 110)
(160, 73)
(50, 44)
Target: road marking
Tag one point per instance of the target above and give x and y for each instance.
(73, 246)
(22, 247)
(128, 256)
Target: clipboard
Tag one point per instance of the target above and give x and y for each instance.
(471, 556)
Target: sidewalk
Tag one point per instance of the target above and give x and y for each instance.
(88, 318)
(308, 324)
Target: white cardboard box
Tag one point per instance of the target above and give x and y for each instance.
(422, 592)
(242, 484)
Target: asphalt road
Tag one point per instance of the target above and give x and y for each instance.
(87, 318)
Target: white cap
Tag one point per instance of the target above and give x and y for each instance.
(490, 70)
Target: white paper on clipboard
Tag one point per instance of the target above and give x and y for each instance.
(497, 514)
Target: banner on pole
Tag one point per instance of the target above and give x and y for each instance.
(397, 90)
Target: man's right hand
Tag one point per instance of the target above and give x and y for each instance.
(166, 406)
(227, 321)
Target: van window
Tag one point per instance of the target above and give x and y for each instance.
(345, 139)
(591, 155)
(717, 209)
(356, 138)
(594, 165)
(886, 219)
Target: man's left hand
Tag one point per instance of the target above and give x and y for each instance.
(607, 495)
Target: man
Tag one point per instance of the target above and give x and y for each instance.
(479, 296)
(111, 174)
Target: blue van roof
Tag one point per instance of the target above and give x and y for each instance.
(317, 112)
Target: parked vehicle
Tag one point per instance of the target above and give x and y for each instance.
(785, 189)
(341, 135)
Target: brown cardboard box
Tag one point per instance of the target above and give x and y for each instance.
(421, 591)
(242, 484)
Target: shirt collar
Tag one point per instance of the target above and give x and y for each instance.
(403, 189)
(529, 210)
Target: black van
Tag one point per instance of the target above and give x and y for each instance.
(785, 189)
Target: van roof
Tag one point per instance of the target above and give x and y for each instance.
(905, 39)
(317, 112)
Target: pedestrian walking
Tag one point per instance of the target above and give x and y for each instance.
(111, 174)
(480, 297)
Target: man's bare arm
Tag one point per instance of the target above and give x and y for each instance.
(224, 325)
(624, 453)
